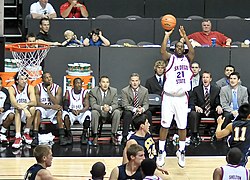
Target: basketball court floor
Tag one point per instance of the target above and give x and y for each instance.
(75, 161)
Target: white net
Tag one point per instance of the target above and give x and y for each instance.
(29, 61)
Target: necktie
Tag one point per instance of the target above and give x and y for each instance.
(235, 103)
(136, 99)
(207, 103)
(160, 81)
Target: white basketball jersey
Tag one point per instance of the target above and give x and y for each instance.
(76, 101)
(44, 97)
(22, 97)
(3, 97)
(234, 172)
(178, 75)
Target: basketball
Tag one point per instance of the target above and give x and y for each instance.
(168, 22)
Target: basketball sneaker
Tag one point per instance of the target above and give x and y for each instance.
(160, 160)
(3, 139)
(17, 143)
(27, 139)
(181, 158)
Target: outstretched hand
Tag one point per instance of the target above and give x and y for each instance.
(182, 32)
(168, 33)
(220, 120)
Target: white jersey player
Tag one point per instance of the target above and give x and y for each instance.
(48, 96)
(175, 97)
(6, 115)
(23, 103)
(76, 108)
(232, 170)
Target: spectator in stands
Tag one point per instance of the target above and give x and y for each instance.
(238, 131)
(135, 102)
(43, 155)
(73, 9)
(98, 171)
(42, 9)
(155, 83)
(204, 37)
(148, 167)
(104, 103)
(71, 39)
(232, 97)
(76, 108)
(23, 101)
(48, 96)
(31, 37)
(204, 102)
(6, 115)
(96, 38)
(130, 170)
(197, 79)
(225, 80)
(232, 170)
(43, 36)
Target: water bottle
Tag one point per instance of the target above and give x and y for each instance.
(81, 39)
(168, 43)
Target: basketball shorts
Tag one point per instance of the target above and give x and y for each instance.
(48, 113)
(4, 115)
(176, 106)
(80, 118)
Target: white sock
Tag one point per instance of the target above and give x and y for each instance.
(162, 145)
(18, 135)
(182, 145)
(3, 130)
(26, 130)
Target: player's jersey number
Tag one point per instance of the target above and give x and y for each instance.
(240, 133)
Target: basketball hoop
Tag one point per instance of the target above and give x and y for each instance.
(28, 56)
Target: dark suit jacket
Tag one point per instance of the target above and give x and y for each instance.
(95, 98)
(197, 97)
(153, 85)
(128, 98)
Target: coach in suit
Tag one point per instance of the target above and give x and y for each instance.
(204, 102)
(232, 97)
(104, 103)
(134, 102)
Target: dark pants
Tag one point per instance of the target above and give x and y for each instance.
(195, 117)
(127, 120)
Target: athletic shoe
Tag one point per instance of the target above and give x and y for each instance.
(18, 143)
(160, 160)
(181, 158)
(27, 138)
(3, 139)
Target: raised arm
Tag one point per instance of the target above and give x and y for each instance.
(165, 55)
(190, 53)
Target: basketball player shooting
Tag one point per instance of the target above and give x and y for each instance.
(175, 97)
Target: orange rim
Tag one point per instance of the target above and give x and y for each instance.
(26, 47)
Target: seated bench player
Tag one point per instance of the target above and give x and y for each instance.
(76, 108)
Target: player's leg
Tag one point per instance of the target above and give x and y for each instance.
(36, 125)
(181, 112)
(166, 119)
(67, 124)
(84, 119)
(18, 139)
(62, 139)
(7, 121)
(29, 121)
